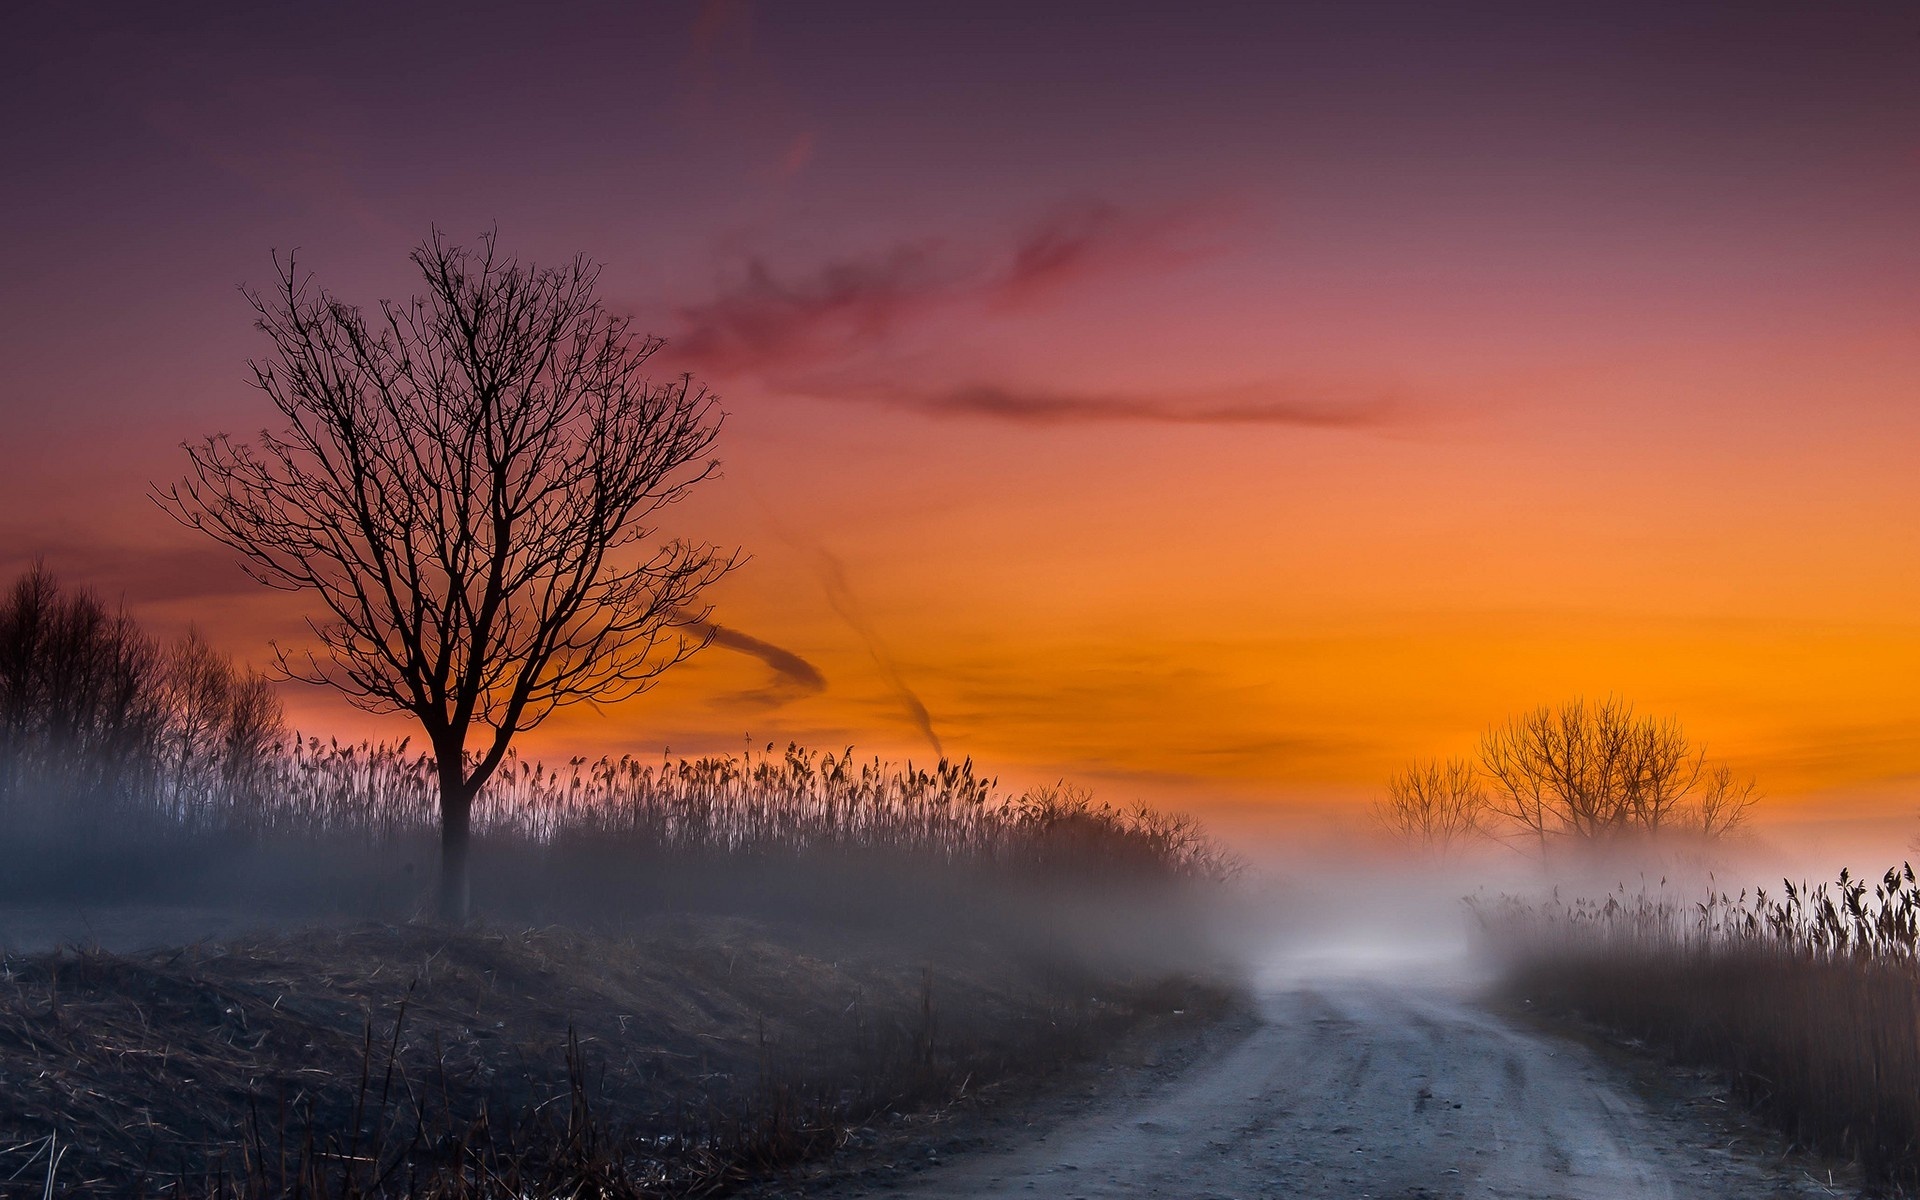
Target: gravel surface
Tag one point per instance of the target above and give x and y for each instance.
(1359, 1088)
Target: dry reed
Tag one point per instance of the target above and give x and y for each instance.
(1807, 999)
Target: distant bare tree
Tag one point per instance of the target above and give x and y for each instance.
(1433, 807)
(77, 694)
(1591, 772)
(467, 483)
(221, 728)
(197, 683)
(1724, 801)
(102, 728)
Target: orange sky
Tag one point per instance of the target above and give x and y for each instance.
(1223, 441)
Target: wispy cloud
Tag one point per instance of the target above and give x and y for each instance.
(1084, 240)
(846, 605)
(764, 322)
(1253, 406)
(767, 321)
(834, 333)
(732, 97)
(1835, 754)
(1115, 710)
(794, 677)
(796, 156)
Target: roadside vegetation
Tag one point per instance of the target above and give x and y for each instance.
(689, 973)
(1807, 999)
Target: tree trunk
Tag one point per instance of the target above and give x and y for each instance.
(456, 815)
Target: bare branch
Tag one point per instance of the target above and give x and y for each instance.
(1590, 772)
(1434, 807)
(470, 486)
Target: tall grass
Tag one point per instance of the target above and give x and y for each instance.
(1808, 999)
(116, 748)
(316, 821)
(755, 803)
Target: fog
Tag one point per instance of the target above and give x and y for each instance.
(1302, 910)
(77, 882)
(1331, 908)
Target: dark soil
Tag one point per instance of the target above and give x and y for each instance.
(695, 1054)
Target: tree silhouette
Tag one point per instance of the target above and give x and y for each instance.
(1433, 807)
(78, 700)
(97, 716)
(468, 484)
(1592, 772)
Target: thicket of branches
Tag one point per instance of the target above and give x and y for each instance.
(1434, 807)
(1574, 774)
(97, 715)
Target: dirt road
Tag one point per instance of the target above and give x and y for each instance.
(1364, 1088)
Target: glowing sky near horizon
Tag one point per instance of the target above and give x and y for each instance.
(1217, 404)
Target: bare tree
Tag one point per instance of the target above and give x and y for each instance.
(1725, 799)
(1433, 807)
(221, 727)
(468, 483)
(1588, 772)
(77, 695)
(93, 711)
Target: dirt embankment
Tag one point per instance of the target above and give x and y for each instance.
(695, 1052)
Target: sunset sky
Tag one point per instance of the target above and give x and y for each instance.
(1217, 404)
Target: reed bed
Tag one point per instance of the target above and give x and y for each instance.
(1808, 999)
(846, 943)
(734, 961)
(757, 802)
(314, 817)
(113, 744)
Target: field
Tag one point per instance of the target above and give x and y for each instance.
(1808, 1000)
(687, 975)
(687, 1057)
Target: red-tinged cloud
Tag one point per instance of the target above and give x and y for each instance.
(717, 22)
(767, 322)
(797, 155)
(1082, 241)
(1254, 407)
(1272, 404)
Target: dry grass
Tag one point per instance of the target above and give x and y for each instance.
(362, 819)
(422, 1062)
(1808, 1000)
(757, 802)
(642, 1053)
